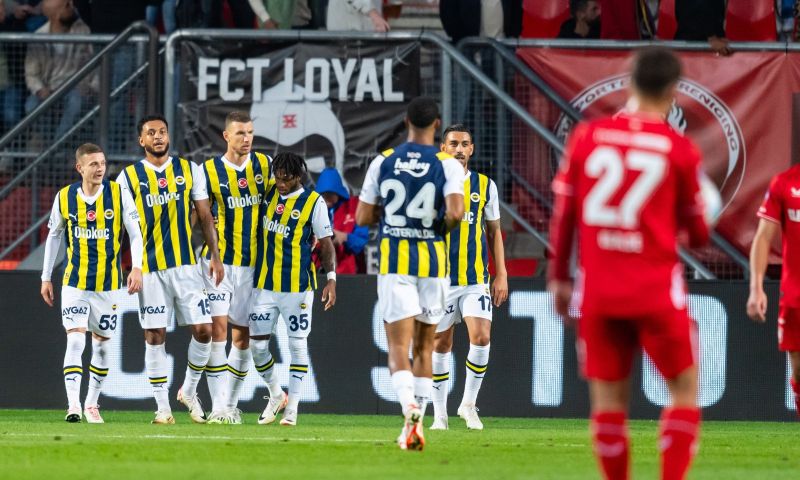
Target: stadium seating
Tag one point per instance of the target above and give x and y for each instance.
(543, 18)
(751, 21)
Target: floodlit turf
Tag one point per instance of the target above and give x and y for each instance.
(39, 444)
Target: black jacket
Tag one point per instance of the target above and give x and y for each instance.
(462, 18)
(699, 19)
(112, 16)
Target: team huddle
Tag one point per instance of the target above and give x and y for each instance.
(260, 226)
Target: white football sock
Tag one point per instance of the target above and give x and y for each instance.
(403, 383)
(265, 365)
(238, 365)
(298, 368)
(73, 367)
(477, 361)
(217, 375)
(197, 359)
(98, 370)
(155, 362)
(441, 383)
(422, 392)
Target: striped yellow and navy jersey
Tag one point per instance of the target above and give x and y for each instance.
(466, 244)
(411, 182)
(288, 228)
(236, 195)
(163, 197)
(94, 237)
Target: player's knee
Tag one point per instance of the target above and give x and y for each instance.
(480, 339)
(241, 343)
(76, 342)
(442, 343)
(298, 346)
(202, 333)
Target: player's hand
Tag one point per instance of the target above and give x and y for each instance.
(329, 294)
(216, 271)
(562, 295)
(500, 289)
(339, 237)
(757, 305)
(47, 292)
(135, 281)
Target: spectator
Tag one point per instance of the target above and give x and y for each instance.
(243, 16)
(29, 12)
(282, 14)
(584, 21)
(494, 19)
(165, 9)
(114, 16)
(12, 71)
(360, 15)
(48, 66)
(701, 22)
(348, 238)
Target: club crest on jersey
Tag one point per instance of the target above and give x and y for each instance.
(259, 178)
(109, 214)
(242, 183)
(303, 306)
(91, 215)
(295, 214)
(180, 180)
(162, 183)
(795, 192)
(114, 306)
(412, 166)
(475, 197)
(279, 209)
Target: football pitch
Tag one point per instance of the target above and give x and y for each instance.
(39, 444)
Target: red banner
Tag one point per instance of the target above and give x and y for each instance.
(739, 110)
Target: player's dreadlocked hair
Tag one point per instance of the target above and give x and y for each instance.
(289, 164)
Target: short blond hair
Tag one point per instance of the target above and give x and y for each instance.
(87, 149)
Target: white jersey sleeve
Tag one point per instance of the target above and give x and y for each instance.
(491, 210)
(320, 220)
(370, 190)
(199, 190)
(56, 224)
(123, 181)
(130, 217)
(454, 177)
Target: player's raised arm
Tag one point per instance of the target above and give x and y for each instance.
(203, 208)
(56, 225)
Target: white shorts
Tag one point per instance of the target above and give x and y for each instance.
(232, 296)
(178, 291)
(466, 301)
(406, 296)
(94, 311)
(293, 307)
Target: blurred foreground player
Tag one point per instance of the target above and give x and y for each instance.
(779, 214)
(416, 192)
(628, 185)
(92, 212)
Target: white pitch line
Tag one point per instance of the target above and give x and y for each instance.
(197, 437)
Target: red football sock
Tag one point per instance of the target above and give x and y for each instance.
(796, 390)
(678, 441)
(611, 444)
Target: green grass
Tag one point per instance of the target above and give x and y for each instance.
(39, 444)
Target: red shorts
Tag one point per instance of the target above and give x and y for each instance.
(789, 329)
(607, 345)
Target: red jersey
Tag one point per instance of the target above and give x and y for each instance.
(782, 205)
(626, 185)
